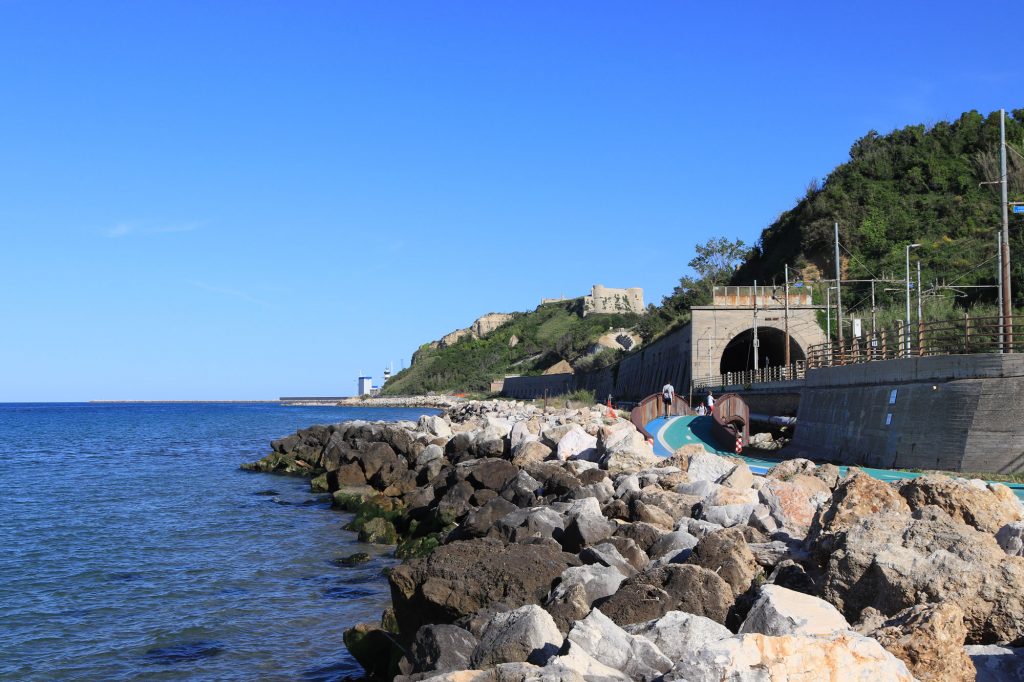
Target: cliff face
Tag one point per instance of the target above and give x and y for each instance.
(480, 328)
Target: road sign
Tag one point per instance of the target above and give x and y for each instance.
(1018, 208)
(800, 284)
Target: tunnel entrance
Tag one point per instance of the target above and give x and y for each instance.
(738, 355)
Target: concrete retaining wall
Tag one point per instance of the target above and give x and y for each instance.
(960, 413)
(528, 388)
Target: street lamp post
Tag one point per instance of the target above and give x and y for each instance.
(906, 332)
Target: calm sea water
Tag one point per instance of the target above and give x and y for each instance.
(132, 547)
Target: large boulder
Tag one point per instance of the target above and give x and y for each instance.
(677, 633)
(1011, 538)
(726, 554)
(597, 581)
(929, 638)
(460, 578)
(524, 634)
(892, 561)
(530, 451)
(629, 455)
(779, 611)
(577, 444)
(986, 507)
(441, 648)
(707, 466)
(844, 656)
(857, 497)
(672, 587)
(605, 641)
(794, 502)
(586, 526)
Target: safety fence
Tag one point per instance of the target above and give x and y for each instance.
(652, 407)
(947, 337)
(752, 376)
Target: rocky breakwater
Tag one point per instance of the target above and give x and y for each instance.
(441, 402)
(553, 545)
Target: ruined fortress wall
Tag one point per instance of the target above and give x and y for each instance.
(603, 300)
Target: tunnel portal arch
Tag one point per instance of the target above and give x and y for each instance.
(738, 354)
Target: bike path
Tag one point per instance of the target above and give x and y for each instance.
(672, 433)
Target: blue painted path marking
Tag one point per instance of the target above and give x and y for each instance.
(675, 432)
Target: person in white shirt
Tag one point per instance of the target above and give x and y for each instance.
(711, 402)
(668, 394)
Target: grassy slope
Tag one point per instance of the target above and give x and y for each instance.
(550, 333)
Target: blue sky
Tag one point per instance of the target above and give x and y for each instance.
(251, 199)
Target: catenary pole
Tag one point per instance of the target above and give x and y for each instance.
(839, 294)
(1005, 248)
(786, 298)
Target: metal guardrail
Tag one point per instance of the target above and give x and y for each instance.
(946, 337)
(752, 376)
(651, 407)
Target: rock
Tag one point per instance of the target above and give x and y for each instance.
(429, 463)
(650, 514)
(1011, 538)
(791, 467)
(555, 479)
(891, 561)
(929, 638)
(607, 554)
(984, 509)
(673, 587)
(794, 502)
(524, 634)
(728, 515)
(568, 606)
(997, 663)
(721, 496)
(740, 477)
(673, 543)
(726, 554)
(490, 442)
(441, 648)
(529, 452)
(672, 503)
(699, 528)
(779, 611)
(844, 656)
(479, 523)
(382, 465)
(378, 531)
(828, 474)
(677, 633)
(577, 444)
(455, 503)
(597, 581)
(576, 665)
(374, 648)
(435, 426)
(706, 466)
(532, 522)
(629, 455)
(606, 642)
(586, 526)
(643, 534)
(490, 473)
(857, 497)
(522, 490)
(552, 435)
(628, 549)
(460, 578)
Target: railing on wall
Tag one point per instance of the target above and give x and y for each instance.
(947, 337)
(652, 407)
(753, 376)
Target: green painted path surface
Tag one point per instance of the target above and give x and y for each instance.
(675, 432)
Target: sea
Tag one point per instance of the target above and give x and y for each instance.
(132, 547)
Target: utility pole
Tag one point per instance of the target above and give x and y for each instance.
(1005, 247)
(757, 343)
(999, 271)
(873, 320)
(906, 330)
(787, 316)
(839, 294)
(828, 314)
(919, 292)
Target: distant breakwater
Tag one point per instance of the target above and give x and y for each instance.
(553, 544)
(442, 402)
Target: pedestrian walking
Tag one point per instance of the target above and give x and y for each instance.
(711, 402)
(668, 394)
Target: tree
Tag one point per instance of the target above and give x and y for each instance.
(715, 262)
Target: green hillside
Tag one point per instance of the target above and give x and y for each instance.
(553, 332)
(915, 185)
